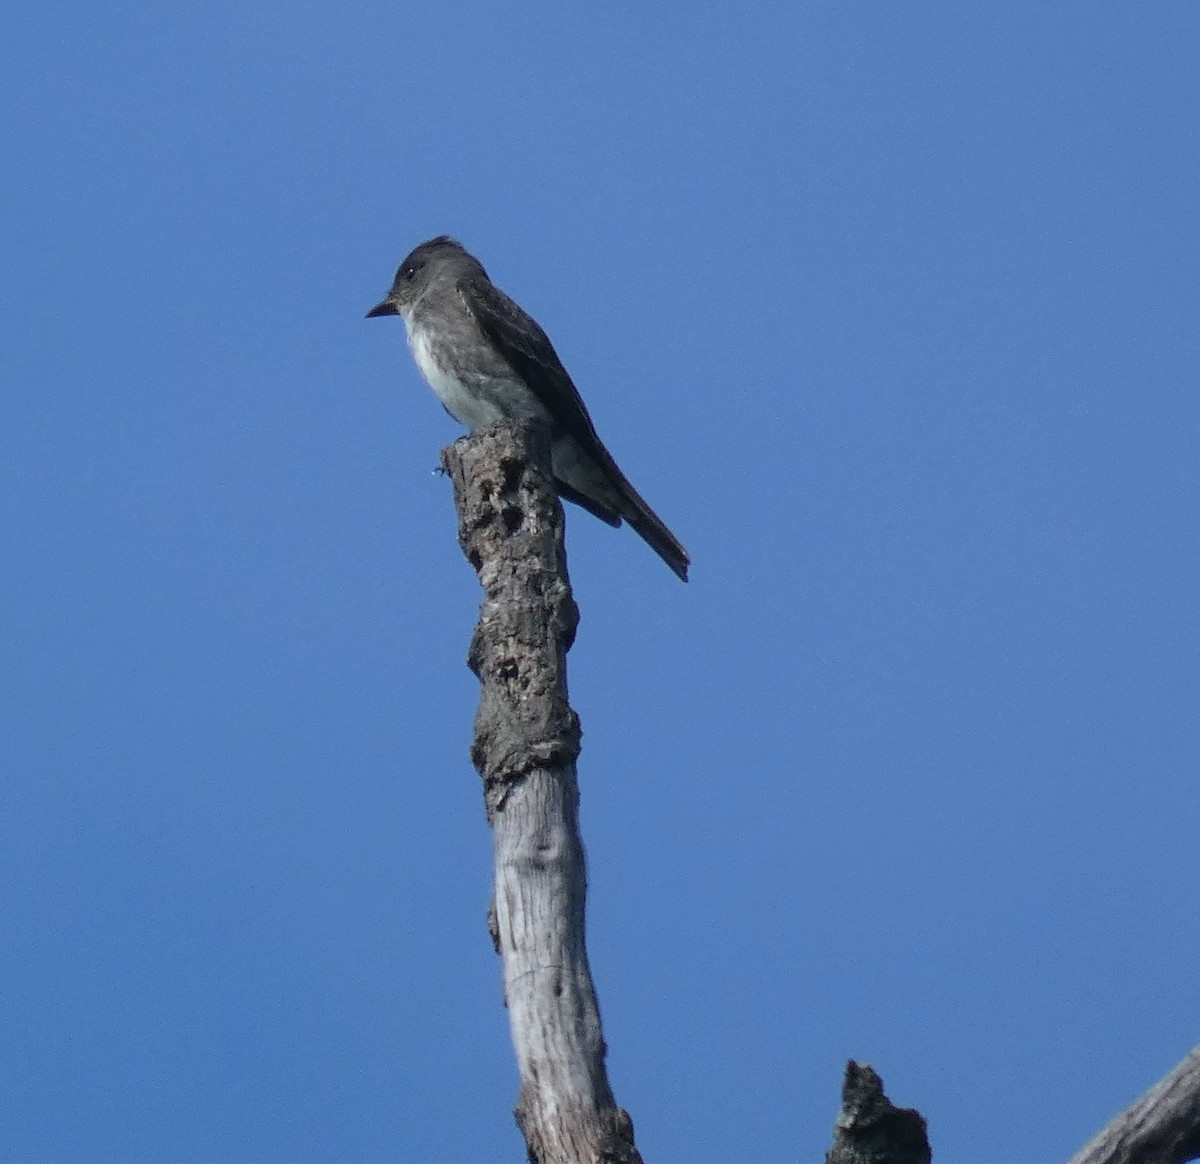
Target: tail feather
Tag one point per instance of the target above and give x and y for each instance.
(641, 518)
(591, 479)
(653, 531)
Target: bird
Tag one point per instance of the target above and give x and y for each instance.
(486, 360)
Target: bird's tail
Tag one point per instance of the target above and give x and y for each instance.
(653, 530)
(591, 479)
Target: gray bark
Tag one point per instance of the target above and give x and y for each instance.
(870, 1129)
(1163, 1127)
(525, 745)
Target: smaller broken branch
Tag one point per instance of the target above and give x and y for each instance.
(1163, 1127)
(870, 1129)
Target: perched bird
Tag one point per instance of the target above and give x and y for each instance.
(487, 360)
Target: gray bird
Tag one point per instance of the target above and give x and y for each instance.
(486, 360)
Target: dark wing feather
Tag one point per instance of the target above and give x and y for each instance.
(528, 349)
(531, 355)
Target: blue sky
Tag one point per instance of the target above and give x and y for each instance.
(889, 310)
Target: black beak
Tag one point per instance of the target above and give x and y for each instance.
(387, 307)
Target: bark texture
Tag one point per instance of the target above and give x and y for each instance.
(1163, 1127)
(525, 745)
(870, 1129)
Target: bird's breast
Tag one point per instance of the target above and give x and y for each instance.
(472, 380)
(463, 394)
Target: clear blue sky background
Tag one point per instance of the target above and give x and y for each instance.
(890, 310)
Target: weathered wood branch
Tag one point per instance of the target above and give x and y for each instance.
(1163, 1127)
(870, 1129)
(525, 745)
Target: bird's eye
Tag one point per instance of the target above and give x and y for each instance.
(410, 271)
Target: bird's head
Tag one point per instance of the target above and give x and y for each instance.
(437, 256)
